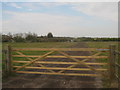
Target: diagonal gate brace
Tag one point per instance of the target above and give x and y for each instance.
(79, 62)
(32, 61)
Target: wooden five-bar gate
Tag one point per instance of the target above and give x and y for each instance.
(25, 60)
(30, 62)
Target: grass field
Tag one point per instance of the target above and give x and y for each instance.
(54, 45)
(41, 45)
(59, 44)
(101, 44)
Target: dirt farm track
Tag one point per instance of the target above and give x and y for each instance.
(55, 81)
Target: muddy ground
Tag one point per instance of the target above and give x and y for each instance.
(56, 81)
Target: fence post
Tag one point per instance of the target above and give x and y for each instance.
(9, 68)
(112, 63)
(5, 58)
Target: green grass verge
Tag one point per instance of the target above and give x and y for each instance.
(105, 45)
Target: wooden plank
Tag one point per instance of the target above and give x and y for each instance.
(117, 52)
(35, 60)
(92, 55)
(77, 60)
(71, 74)
(57, 49)
(32, 60)
(9, 62)
(112, 63)
(47, 62)
(58, 68)
(117, 77)
(118, 65)
(82, 61)
(5, 59)
(97, 57)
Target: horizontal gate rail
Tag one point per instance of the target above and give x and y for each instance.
(56, 68)
(60, 49)
(46, 62)
(61, 56)
(71, 74)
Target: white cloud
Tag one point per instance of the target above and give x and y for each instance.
(14, 5)
(29, 9)
(37, 6)
(59, 25)
(107, 11)
(39, 23)
(52, 4)
(102, 10)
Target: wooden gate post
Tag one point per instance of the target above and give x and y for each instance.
(112, 63)
(9, 68)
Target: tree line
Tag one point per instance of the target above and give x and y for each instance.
(33, 37)
(96, 39)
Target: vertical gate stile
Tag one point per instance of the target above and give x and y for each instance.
(6, 58)
(9, 66)
(112, 63)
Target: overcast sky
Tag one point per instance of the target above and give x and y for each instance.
(95, 19)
